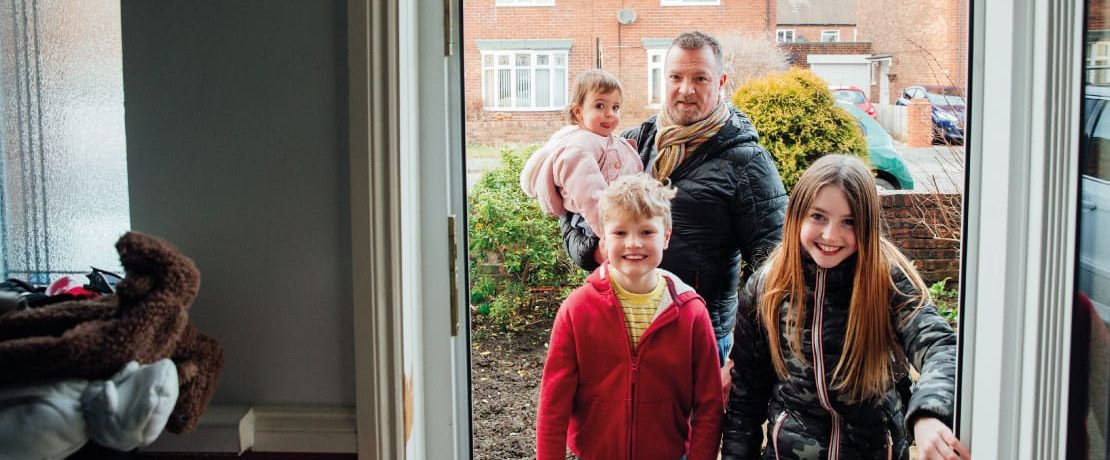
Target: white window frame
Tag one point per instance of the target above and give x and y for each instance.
(830, 36)
(523, 3)
(652, 102)
(1098, 57)
(782, 34)
(689, 2)
(494, 66)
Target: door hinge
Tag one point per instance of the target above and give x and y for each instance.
(452, 267)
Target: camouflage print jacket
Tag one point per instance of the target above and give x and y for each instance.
(806, 418)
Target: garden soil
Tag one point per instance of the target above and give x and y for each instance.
(506, 368)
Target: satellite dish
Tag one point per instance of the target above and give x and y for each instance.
(626, 16)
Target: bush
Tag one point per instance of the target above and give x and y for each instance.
(516, 251)
(798, 120)
(947, 301)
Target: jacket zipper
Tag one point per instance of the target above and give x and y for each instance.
(819, 364)
(635, 356)
(775, 433)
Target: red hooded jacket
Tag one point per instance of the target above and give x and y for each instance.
(605, 402)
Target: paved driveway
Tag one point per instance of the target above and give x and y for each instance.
(936, 168)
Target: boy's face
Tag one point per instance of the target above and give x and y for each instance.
(634, 247)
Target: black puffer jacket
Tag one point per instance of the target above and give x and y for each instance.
(730, 203)
(804, 417)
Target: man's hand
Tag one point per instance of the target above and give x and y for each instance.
(935, 441)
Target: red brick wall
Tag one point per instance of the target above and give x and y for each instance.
(925, 226)
(919, 124)
(583, 21)
(928, 40)
(811, 33)
(799, 52)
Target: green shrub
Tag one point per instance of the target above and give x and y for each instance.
(946, 300)
(516, 251)
(798, 120)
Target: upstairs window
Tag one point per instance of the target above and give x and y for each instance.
(784, 36)
(830, 35)
(524, 3)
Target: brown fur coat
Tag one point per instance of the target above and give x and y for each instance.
(145, 320)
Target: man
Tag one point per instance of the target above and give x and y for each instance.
(731, 201)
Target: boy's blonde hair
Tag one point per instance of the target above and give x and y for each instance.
(637, 196)
(593, 80)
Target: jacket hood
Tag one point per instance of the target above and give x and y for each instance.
(600, 281)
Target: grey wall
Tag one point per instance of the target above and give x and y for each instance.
(237, 153)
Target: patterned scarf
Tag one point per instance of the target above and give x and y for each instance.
(675, 142)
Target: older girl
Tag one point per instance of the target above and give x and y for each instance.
(818, 327)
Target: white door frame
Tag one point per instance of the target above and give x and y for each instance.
(1020, 227)
(1019, 232)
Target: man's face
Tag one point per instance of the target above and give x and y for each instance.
(693, 84)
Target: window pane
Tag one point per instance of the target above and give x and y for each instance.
(656, 86)
(523, 60)
(542, 59)
(487, 60)
(543, 88)
(560, 87)
(523, 88)
(503, 59)
(1090, 342)
(505, 88)
(488, 98)
(62, 136)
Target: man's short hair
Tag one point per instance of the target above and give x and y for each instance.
(695, 40)
(636, 196)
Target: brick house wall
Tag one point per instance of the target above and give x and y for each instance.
(584, 22)
(928, 40)
(812, 32)
(925, 226)
(799, 52)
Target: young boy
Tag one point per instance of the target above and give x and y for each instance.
(632, 369)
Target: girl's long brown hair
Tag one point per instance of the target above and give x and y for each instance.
(864, 370)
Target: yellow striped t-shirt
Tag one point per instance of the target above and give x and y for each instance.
(639, 309)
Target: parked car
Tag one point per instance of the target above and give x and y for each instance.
(949, 110)
(890, 168)
(855, 96)
(1094, 199)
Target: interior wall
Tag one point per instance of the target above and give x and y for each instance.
(236, 116)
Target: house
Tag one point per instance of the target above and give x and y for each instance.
(878, 46)
(520, 56)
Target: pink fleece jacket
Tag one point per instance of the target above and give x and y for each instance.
(569, 172)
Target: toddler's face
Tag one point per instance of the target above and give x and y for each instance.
(600, 112)
(829, 228)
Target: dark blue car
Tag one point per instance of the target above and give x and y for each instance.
(949, 111)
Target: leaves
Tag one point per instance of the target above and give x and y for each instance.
(514, 247)
(798, 120)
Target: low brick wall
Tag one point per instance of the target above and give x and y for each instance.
(926, 227)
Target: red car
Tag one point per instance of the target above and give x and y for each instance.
(854, 95)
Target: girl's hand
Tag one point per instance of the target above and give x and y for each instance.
(726, 380)
(935, 441)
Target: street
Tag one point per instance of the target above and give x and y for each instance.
(939, 168)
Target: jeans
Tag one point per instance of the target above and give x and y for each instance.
(724, 346)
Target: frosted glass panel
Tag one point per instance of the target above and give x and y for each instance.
(64, 169)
